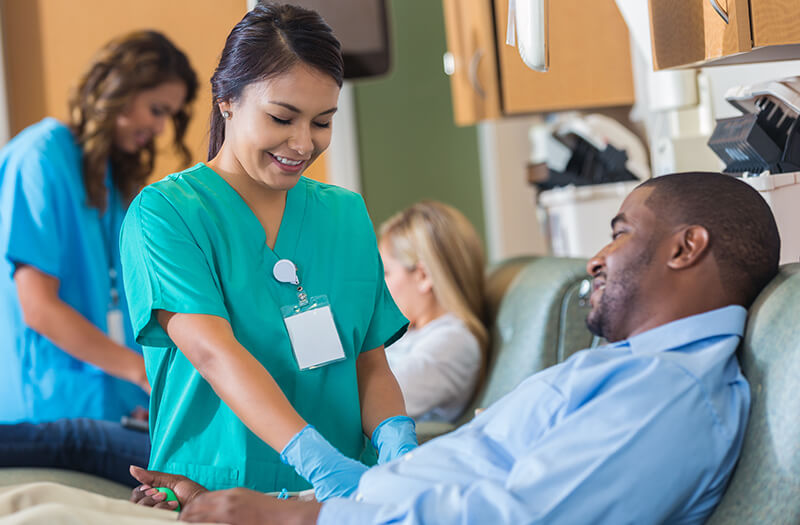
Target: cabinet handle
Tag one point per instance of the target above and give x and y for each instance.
(449, 63)
(721, 12)
(473, 73)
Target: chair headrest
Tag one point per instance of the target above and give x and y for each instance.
(766, 483)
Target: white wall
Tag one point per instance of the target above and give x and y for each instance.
(509, 202)
(343, 165)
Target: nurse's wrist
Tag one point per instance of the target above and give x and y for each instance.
(394, 437)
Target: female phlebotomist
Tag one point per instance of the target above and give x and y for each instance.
(65, 344)
(239, 353)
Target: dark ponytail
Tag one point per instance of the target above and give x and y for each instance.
(268, 41)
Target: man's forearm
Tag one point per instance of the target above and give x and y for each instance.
(307, 514)
(247, 507)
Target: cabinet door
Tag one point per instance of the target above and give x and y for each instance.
(590, 60)
(775, 22)
(687, 32)
(470, 44)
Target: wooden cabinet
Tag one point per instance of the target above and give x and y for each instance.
(590, 62)
(49, 43)
(471, 60)
(718, 32)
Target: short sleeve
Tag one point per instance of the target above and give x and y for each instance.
(387, 324)
(164, 268)
(29, 223)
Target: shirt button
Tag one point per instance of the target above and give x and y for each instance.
(359, 497)
(407, 456)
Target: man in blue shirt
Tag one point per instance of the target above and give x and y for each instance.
(646, 429)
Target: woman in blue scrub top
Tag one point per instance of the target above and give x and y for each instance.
(210, 257)
(65, 338)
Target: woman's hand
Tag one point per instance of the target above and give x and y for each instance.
(140, 378)
(140, 413)
(394, 437)
(332, 474)
(146, 494)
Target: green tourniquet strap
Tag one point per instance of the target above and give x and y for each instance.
(170, 496)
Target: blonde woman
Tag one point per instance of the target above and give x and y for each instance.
(434, 267)
(65, 340)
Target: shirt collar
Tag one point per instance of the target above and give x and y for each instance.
(729, 320)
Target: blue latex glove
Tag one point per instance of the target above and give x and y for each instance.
(330, 472)
(394, 437)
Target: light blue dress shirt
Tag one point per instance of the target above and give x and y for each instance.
(646, 430)
(45, 222)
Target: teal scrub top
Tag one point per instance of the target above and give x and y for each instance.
(190, 244)
(45, 222)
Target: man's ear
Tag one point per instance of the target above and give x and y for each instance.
(690, 245)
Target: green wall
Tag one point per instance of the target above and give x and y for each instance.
(409, 147)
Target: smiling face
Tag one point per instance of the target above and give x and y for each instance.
(626, 274)
(146, 115)
(280, 125)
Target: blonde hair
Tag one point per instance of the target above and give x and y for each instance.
(441, 239)
(125, 66)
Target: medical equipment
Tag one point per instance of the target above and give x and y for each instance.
(527, 21)
(587, 149)
(763, 146)
(593, 162)
(766, 137)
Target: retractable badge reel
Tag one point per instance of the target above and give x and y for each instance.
(312, 331)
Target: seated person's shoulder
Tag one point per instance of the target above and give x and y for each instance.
(446, 336)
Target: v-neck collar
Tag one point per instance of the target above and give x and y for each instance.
(291, 223)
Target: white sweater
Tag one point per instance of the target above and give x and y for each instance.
(437, 368)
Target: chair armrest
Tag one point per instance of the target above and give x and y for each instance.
(427, 430)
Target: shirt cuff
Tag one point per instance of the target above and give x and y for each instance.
(341, 511)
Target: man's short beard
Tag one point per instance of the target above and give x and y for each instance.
(617, 300)
(604, 322)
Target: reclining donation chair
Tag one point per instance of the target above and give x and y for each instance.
(765, 487)
(536, 319)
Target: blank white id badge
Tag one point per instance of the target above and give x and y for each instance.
(315, 340)
(116, 326)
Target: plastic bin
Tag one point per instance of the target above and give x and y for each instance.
(578, 218)
(782, 193)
